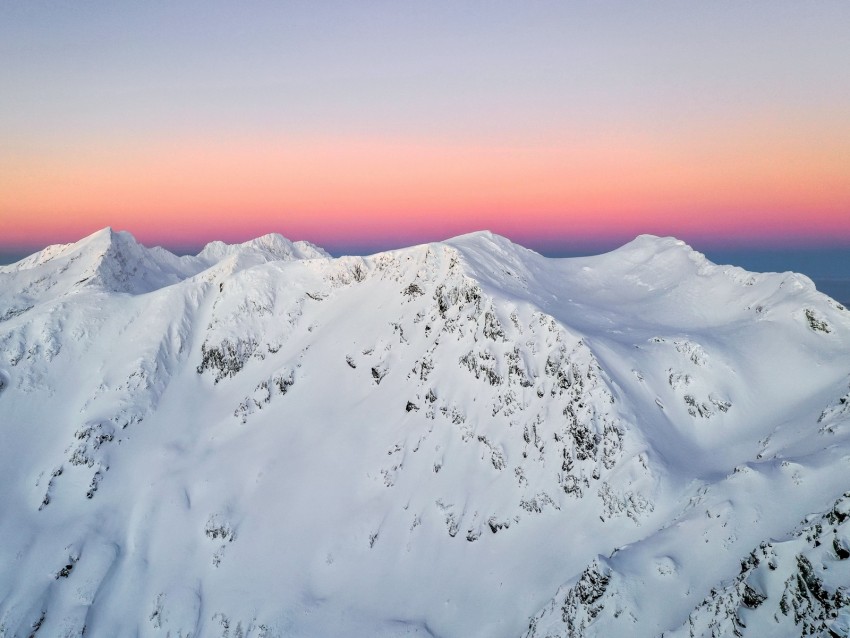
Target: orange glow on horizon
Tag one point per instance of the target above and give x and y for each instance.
(327, 190)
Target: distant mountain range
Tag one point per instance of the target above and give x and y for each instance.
(458, 439)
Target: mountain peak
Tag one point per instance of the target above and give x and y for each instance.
(98, 240)
(277, 244)
(483, 238)
(486, 244)
(268, 247)
(477, 235)
(654, 244)
(108, 236)
(660, 253)
(105, 232)
(107, 259)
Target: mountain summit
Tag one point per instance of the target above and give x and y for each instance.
(455, 439)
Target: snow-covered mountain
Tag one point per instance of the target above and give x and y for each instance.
(455, 439)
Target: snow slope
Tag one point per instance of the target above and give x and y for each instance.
(455, 439)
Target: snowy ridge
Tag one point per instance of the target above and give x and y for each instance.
(272, 245)
(456, 439)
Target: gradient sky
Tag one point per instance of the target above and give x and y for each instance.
(367, 125)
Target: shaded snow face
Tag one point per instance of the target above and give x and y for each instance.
(458, 439)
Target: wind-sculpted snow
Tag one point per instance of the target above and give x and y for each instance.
(455, 439)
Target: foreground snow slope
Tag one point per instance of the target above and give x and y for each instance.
(455, 439)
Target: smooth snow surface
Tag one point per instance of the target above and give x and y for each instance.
(459, 439)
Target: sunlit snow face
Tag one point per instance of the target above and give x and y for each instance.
(460, 439)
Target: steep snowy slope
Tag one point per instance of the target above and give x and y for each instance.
(456, 439)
